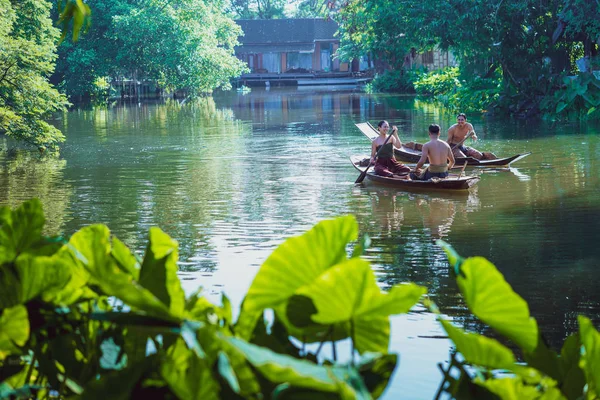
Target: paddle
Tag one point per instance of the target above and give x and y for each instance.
(362, 175)
(462, 141)
(462, 170)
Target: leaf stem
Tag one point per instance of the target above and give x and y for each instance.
(30, 369)
(333, 348)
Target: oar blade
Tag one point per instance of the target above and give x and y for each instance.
(361, 177)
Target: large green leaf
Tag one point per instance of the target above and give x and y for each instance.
(40, 274)
(118, 385)
(77, 286)
(92, 247)
(125, 259)
(159, 271)
(14, 330)
(573, 377)
(376, 371)
(492, 300)
(545, 360)
(300, 260)
(279, 368)
(187, 375)
(590, 354)
(348, 293)
(515, 389)
(20, 229)
(478, 349)
(10, 294)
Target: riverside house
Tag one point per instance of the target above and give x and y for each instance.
(293, 52)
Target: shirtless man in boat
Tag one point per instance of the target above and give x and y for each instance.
(456, 134)
(439, 154)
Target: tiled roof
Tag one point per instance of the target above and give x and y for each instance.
(288, 34)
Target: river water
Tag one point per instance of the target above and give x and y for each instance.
(231, 177)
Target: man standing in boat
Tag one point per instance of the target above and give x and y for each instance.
(456, 136)
(439, 154)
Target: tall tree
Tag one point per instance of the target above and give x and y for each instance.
(257, 9)
(188, 44)
(514, 36)
(27, 57)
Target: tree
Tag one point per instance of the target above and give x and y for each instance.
(187, 44)
(257, 9)
(27, 56)
(518, 39)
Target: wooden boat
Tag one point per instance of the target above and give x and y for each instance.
(410, 155)
(453, 182)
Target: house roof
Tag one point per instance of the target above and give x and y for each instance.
(284, 35)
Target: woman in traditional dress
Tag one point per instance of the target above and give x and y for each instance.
(386, 164)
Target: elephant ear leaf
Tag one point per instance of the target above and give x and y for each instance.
(348, 294)
(20, 229)
(478, 349)
(493, 300)
(300, 260)
(590, 354)
(14, 330)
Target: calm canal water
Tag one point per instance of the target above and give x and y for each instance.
(232, 176)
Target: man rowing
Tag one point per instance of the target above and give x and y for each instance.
(457, 134)
(439, 154)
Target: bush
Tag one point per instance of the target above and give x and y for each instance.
(443, 81)
(394, 81)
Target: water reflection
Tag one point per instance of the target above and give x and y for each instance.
(230, 178)
(26, 175)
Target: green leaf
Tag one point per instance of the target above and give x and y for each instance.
(159, 271)
(590, 354)
(125, 259)
(515, 389)
(39, 275)
(10, 295)
(118, 385)
(453, 258)
(14, 330)
(573, 377)
(478, 349)
(492, 300)
(20, 229)
(280, 368)
(299, 261)
(348, 293)
(561, 106)
(77, 286)
(187, 375)
(545, 360)
(91, 247)
(365, 242)
(225, 370)
(376, 370)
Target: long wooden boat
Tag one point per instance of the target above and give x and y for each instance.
(453, 182)
(410, 155)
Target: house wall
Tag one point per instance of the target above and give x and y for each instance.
(317, 57)
(436, 59)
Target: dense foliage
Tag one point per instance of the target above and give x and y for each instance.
(531, 44)
(181, 45)
(27, 57)
(86, 318)
(488, 369)
(394, 81)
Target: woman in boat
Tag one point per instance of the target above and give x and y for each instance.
(386, 164)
